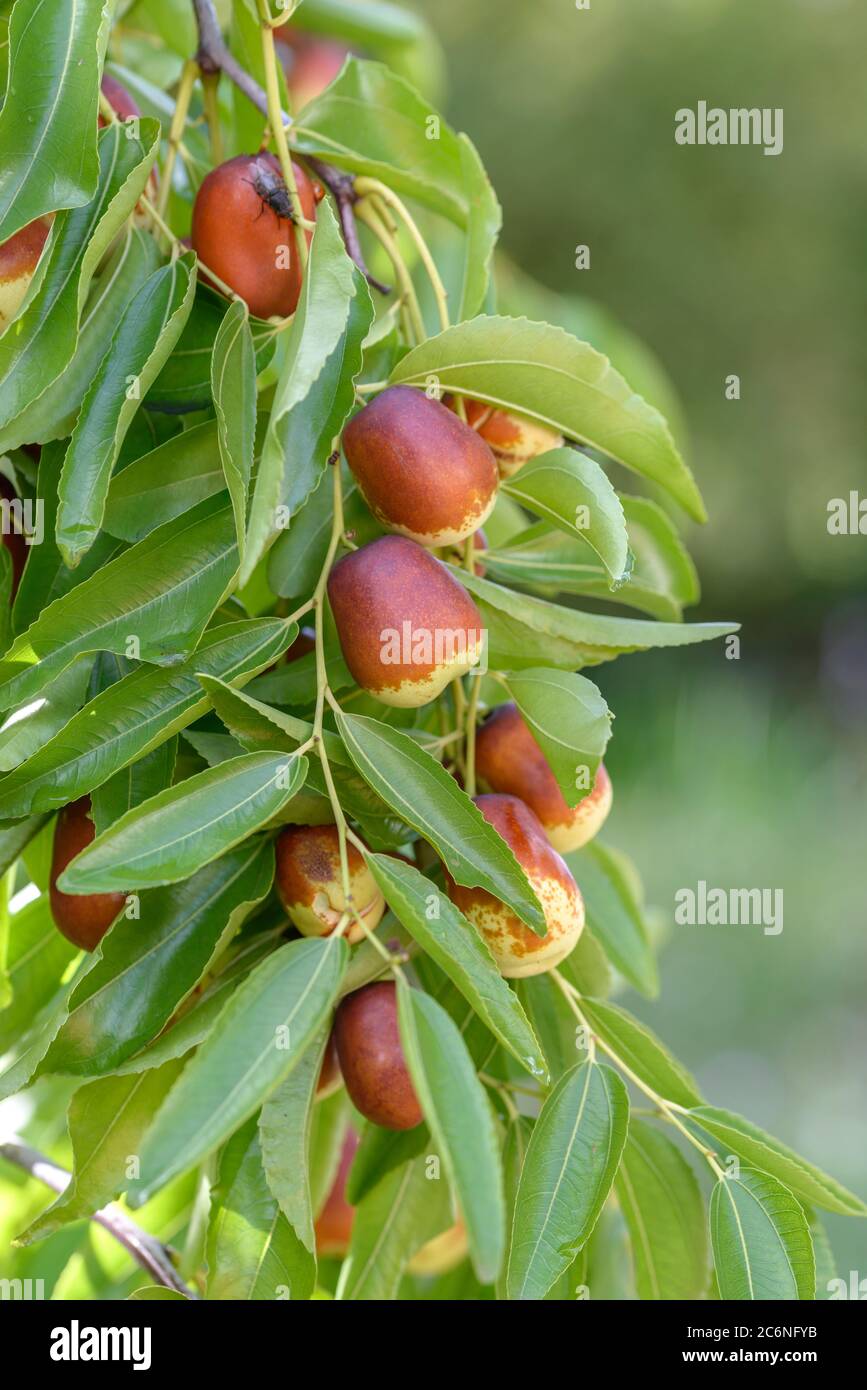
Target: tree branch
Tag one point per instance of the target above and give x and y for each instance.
(145, 1249)
(213, 56)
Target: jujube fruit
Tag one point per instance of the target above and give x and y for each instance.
(517, 950)
(19, 257)
(442, 1253)
(83, 918)
(243, 232)
(309, 62)
(406, 626)
(371, 1057)
(508, 759)
(333, 1225)
(330, 1075)
(118, 98)
(12, 536)
(310, 883)
(513, 439)
(421, 470)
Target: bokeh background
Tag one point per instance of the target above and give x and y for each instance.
(747, 773)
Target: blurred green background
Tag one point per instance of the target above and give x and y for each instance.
(747, 773)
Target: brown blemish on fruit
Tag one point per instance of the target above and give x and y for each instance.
(309, 881)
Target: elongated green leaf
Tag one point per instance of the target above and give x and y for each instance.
(37, 958)
(587, 967)
(754, 1146)
(252, 1251)
(134, 784)
(572, 491)
(48, 120)
(570, 721)
(515, 621)
(483, 222)
(614, 914)
(233, 383)
(161, 592)
(284, 1133)
(452, 941)
(185, 382)
(45, 335)
(546, 374)
(263, 1032)
(456, 1108)
(515, 1148)
(144, 338)
(179, 830)
(406, 1209)
(138, 714)
(148, 966)
(761, 1241)
(570, 1166)
(554, 1022)
(379, 1152)
(162, 484)
(663, 1207)
(642, 1052)
(28, 728)
(423, 794)
(316, 388)
(52, 415)
(107, 1121)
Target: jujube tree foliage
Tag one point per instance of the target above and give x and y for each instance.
(302, 771)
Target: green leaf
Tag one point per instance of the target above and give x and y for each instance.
(46, 331)
(379, 1152)
(517, 1141)
(570, 721)
(185, 382)
(144, 338)
(179, 830)
(48, 120)
(423, 794)
(761, 1241)
(614, 913)
(572, 1158)
(754, 1146)
(516, 622)
(162, 484)
(642, 1052)
(147, 967)
(262, 1033)
(52, 414)
(137, 714)
(452, 941)
(664, 1211)
(37, 958)
(405, 1210)
(162, 590)
(28, 728)
(456, 1108)
(483, 222)
(233, 383)
(284, 1133)
(554, 1022)
(134, 784)
(315, 391)
(547, 375)
(252, 1251)
(107, 1121)
(570, 490)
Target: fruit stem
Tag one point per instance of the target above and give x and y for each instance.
(367, 211)
(667, 1108)
(365, 186)
(210, 85)
(278, 129)
(176, 131)
(470, 756)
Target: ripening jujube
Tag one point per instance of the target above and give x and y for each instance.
(372, 1060)
(310, 884)
(83, 918)
(517, 950)
(243, 231)
(509, 760)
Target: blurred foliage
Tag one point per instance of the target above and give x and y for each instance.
(722, 259)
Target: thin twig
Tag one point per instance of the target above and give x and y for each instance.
(213, 56)
(145, 1249)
